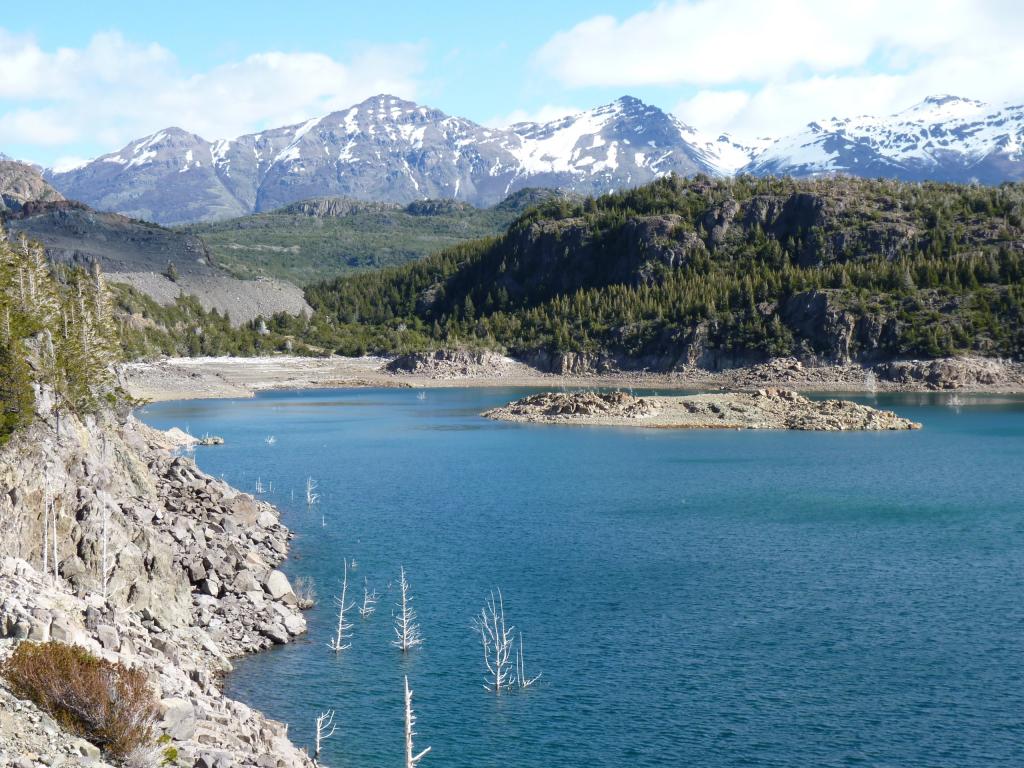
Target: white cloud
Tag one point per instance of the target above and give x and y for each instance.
(114, 90)
(768, 68)
(545, 114)
(712, 108)
(68, 162)
(715, 42)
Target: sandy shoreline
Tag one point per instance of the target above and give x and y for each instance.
(224, 377)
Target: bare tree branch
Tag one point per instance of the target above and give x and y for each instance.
(411, 757)
(407, 630)
(497, 640)
(340, 641)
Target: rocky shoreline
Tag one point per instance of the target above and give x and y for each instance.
(191, 378)
(762, 409)
(190, 580)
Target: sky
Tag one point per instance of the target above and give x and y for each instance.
(81, 79)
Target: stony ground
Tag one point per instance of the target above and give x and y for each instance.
(762, 409)
(192, 582)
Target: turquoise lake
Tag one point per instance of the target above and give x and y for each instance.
(691, 598)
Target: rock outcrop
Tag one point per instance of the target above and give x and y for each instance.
(453, 364)
(947, 373)
(763, 409)
(20, 183)
(158, 566)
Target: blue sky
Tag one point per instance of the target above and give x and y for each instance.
(80, 79)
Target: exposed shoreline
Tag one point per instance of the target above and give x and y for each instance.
(225, 377)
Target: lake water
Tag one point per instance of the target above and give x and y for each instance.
(691, 598)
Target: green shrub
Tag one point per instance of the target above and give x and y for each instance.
(106, 703)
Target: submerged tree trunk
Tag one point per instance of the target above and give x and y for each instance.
(411, 757)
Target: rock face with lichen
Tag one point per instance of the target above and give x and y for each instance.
(762, 409)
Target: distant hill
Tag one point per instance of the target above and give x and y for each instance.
(326, 237)
(715, 273)
(159, 262)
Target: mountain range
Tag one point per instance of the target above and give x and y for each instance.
(388, 149)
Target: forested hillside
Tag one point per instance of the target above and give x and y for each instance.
(329, 237)
(714, 273)
(55, 334)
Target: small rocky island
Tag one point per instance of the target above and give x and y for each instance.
(761, 409)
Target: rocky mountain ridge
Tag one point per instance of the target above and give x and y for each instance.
(944, 138)
(390, 150)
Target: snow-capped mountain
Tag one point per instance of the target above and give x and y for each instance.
(944, 138)
(387, 149)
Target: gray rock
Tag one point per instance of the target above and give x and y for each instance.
(276, 584)
(196, 572)
(39, 630)
(295, 624)
(62, 631)
(277, 633)
(86, 750)
(108, 637)
(178, 718)
(211, 586)
(266, 520)
(246, 581)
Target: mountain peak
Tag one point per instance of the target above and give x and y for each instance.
(943, 107)
(390, 149)
(629, 101)
(947, 98)
(384, 104)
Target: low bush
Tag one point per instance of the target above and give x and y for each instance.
(108, 704)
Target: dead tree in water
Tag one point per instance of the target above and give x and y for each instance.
(497, 640)
(407, 630)
(411, 758)
(324, 730)
(341, 637)
(369, 601)
(524, 681)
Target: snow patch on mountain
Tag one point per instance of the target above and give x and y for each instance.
(943, 137)
(389, 149)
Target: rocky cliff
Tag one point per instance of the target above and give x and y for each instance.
(21, 183)
(114, 542)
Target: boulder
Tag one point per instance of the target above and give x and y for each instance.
(276, 584)
(211, 586)
(88, 752)
(295, 624)
(108, 637)
(246, 581)
(177, 718)
(277, 633)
